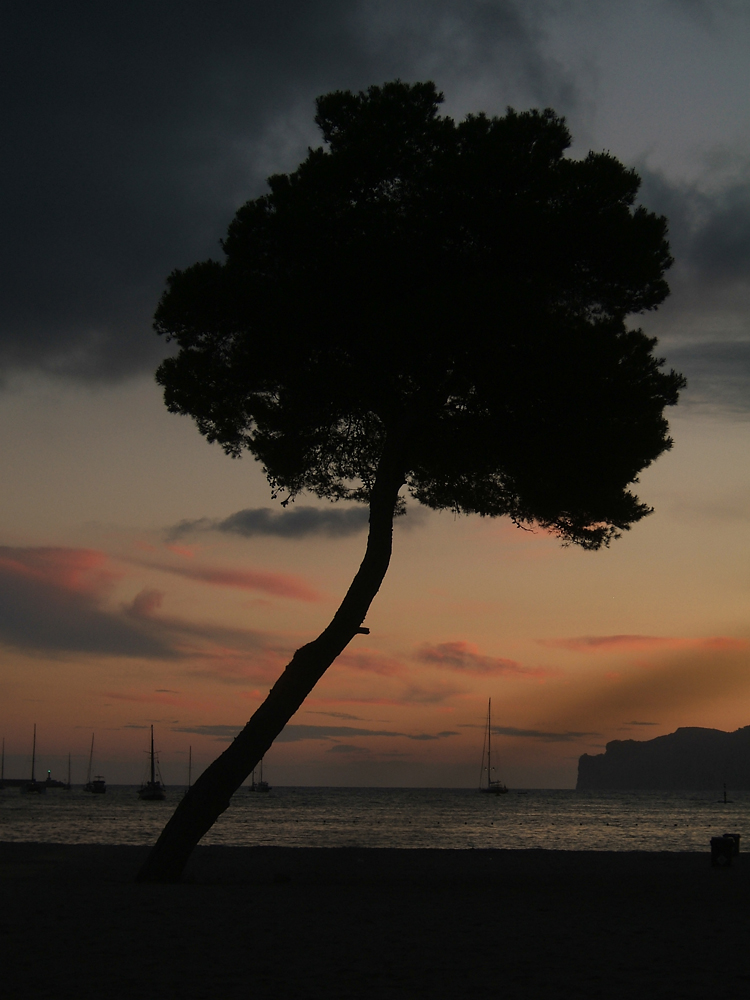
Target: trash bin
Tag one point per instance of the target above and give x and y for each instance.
(735, 838)
(722, 851)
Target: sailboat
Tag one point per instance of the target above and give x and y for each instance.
(2, 767)
(98, 785)
(259, 786)
(153, 790)
(493, 786)
(33, 785)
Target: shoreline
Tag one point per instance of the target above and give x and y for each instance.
(354, 923)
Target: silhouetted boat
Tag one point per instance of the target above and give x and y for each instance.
(259, 786)
(153, 790)
(33, 786)
(97, 785)
(2, 767)
(726, 801)
(51, 782)
(493, 786)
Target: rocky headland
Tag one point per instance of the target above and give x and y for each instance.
(690, 758)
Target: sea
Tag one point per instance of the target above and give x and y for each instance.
(439, 818)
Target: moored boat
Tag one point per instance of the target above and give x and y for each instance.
(259, 786)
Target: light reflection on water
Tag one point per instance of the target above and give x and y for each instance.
(392, 817)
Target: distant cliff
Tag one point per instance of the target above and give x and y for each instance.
(690, 758)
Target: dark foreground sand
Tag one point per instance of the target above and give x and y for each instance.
(341, 923)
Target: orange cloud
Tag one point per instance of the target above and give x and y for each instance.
(466, 658)
(616, 643)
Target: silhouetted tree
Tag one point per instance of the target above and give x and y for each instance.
(432, 305)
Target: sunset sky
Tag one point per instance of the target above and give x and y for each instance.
(147, 578)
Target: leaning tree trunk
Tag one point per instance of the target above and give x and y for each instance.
(211, 793)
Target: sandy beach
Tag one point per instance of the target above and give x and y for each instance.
(283, 922)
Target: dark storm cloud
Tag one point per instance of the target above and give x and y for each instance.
(704, 325)
(709, 228)
(295, 733)
(133, 131)
(718, 372)
(299, 522)
(706, 13)
(294, 522)
(128, 136)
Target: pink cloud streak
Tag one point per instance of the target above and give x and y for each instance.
(466, 658)
(278, 584)
(80, 571)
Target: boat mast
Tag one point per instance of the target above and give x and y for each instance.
(153, 773)
(33, 755)
(68, 772)
(2, 764)
(489, 743)
(190, 766)
(91, 758)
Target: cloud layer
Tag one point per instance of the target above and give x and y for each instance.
(464, 657)
(58, 602)
(294, 733)
(52, 601)
(543, 735)
(276, 584)
(136, 131)
(298, 522)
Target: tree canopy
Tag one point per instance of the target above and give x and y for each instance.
(425, 303)
(461, 289)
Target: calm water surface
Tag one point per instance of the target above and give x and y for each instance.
(392, 817)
